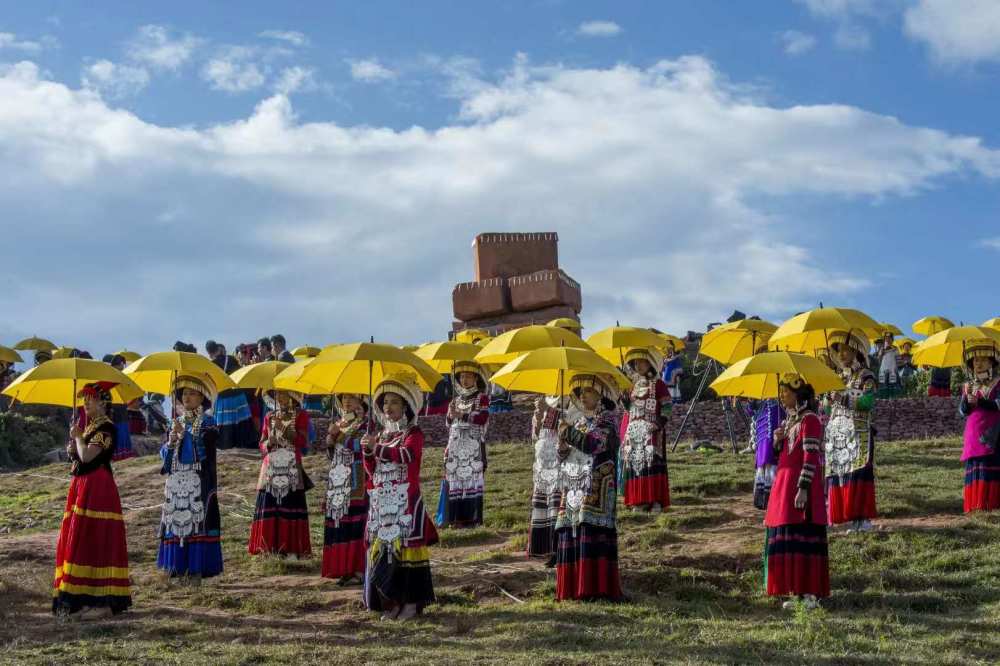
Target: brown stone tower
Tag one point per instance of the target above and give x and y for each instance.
(518, 282)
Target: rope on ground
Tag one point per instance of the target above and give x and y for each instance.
(39, 476)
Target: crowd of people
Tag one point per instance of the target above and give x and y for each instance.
(814, 470)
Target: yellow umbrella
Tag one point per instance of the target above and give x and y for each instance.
(508, 346)
(357, 367)
(442, 355)
(35, 343)
(258, 376)
(129, 356)
(156, 373)
(899, 342)
(290, 379)
(616, 357)
(549, 370)
(883, 328)
(945, 349)
(668, 339)
(305, 352)
(931, 325)
(568, 323)
(56, 382)
(62, 352)
(736, 340)
(758, 376)
(621, 337)
(9, 355)
(992, 323)
(471, 335)
(807, 332)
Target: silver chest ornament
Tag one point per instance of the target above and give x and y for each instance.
(637, 449)
(464, 466)
(575, 479)
(339, 484)
(841, 441)
(388, 514)
(183, 509)
(546, 467)
(282, 473)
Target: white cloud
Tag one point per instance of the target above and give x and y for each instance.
(992, 243)
(797, 43)
(653, 177)
(370, 70)
(159, 48)
(851, 37)
(234, 70)
(599, 29)
(842, 9)
(295, 79)
(114, 80)
(957, 31)
(10, 41)
(290, 36)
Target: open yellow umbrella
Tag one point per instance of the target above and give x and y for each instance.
(506, 347)
(879, 331)
(358, 367)
(129, 356)
(35, 343)
(992, 323)
(623, 337)
(667, 339)
(930, 325)
(56, 382)
(471, 335)
(736, 340)
(156, 373)
(550, 370)
(899, 342)
(305, 352)
(442, 355)
(568, 323)
(809, 332)
(945, 349)
(757, 377)
(9, 355)
(258, 376)
(62, 352)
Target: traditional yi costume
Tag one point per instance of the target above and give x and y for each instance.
(91, 553)
(546, 494)
(643, 449)
(461, 502)
(190, 523)
(765, 417)
(980, 404)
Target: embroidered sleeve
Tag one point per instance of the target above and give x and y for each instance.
(812, 438)
(101, 439)
(482, 414)
(402, 451)
(592, 441)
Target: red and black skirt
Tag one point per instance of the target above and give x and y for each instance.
(91, 555)
(280, 527)
(344, 546)
(544, 512)
(982, 483)
(649, 486)
(851, 496)
(797, 560)
(587, 564)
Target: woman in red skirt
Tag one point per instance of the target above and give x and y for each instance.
(643, 453)
(346, 506)
(281, 518)
(91, 556)
(796, 560)
(586, 529)
(980, 405)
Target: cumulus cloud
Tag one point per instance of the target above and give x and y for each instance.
(158, 47)
(295, 79)
(234, 70)
(370, 70)
(653, 177)
(599, 29)
(290, 36)
(797, 43)
(114, 80)
(956, 31)
(12, 42)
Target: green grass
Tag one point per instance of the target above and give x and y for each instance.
(925, 588)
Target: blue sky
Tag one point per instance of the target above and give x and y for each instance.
(187, 171)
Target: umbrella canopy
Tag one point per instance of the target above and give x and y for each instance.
(472, 335)
(9, 355)
(56, 382)
(809, 332)
(624, 337)
(156, 373)
(305, 352)
(258, 376)
(666, 338)
(358, 367)
(736, 340)
(129, 356)
(508, 346)
(945, 349)
(549, 370)
(442, 355)
(992, 323)
(568, 323)
(35, 343)
(62, 352)
(758, 376)
(882, 329)
(930, 325)
(290, 379)
(899, 342)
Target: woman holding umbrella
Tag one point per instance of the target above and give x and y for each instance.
(399, 530)
(546, 495)
(281, 518)
(191, 527)
(465, 455)
(587, 556)
(91, 556)
(980, 405)
(644, 459)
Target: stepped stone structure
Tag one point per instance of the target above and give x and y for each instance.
(517, 282)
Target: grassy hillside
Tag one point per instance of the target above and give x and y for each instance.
(924, 589)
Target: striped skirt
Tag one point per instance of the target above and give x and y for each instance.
(982, 483)
(851, 496)
(396, 579)
(281, 528)
(344, 546)
(544, 511)
(797, 561)
(587, 564)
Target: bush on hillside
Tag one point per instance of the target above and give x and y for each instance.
(24, 440)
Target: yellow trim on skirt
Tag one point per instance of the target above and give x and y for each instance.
(87, 513)
(102, 591)
(84, 571)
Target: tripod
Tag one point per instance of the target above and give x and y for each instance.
(711, 368)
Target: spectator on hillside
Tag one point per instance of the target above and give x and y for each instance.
(264, 352)
(278, 349)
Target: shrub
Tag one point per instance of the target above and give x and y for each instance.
(24, 440)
